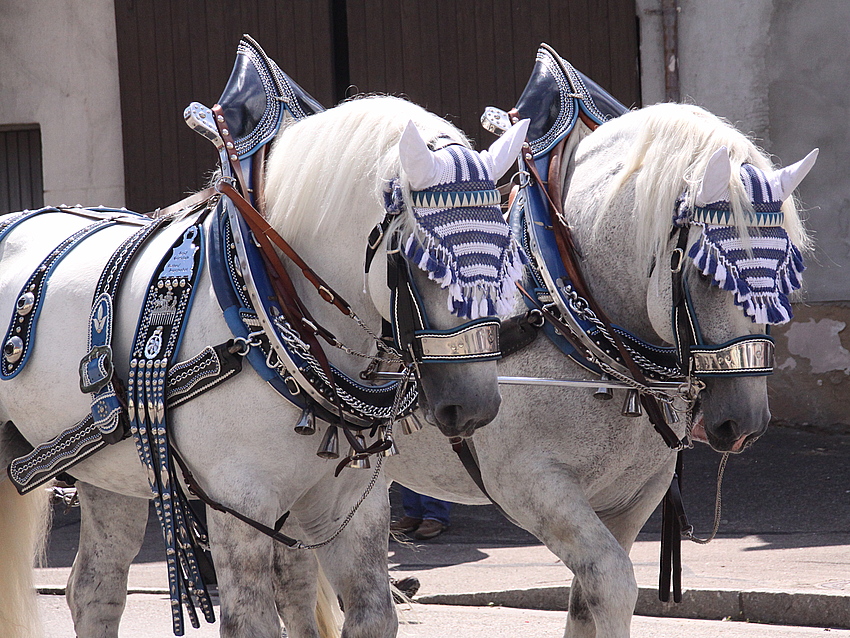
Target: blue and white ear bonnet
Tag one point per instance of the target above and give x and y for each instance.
(762, 269)
(460, 237)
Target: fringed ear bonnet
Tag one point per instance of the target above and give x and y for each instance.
(460, 237)
(764, 269)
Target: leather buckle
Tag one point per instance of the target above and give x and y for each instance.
(96, 369)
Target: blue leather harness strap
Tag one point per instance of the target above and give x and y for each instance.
(21, 329)
(97, 367)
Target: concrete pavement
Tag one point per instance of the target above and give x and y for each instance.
(782, 557)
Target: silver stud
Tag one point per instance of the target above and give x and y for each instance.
(25, 303)
(13, 350)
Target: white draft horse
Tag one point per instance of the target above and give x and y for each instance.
(567, 467)
(326, 180)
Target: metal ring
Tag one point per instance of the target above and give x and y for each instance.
(677, 258)
(244, 347)
(536, 318)
(524, 178)
(252, 338)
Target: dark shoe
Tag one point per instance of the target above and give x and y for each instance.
(407, 586)
(429, 529)
(405, 525)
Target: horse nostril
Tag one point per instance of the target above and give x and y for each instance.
(448, 415)
(727, 431)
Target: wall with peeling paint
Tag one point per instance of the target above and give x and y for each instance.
(779, 70)
(811, 387)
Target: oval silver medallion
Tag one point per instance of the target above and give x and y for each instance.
(154, 344)
(25, 303)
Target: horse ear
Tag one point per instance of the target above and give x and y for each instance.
(502, 153)
(416, 158)
(715, 182)
(788, 179)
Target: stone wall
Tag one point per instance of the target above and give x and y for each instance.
(779, 70)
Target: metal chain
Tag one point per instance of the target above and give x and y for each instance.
(351, 513)
(689, 533)
(581, 308)
(640, 387)
(407, 373)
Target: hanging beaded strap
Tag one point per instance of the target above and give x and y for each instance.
(158, 335)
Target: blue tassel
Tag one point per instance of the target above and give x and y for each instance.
(491, 307)
(793, 279)
(523, 258)
(694, 251)
(797, 259)
(432, 266)
(729, 284)
(773, 315)
(787, 305)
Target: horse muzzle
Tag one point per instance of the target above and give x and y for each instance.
(460, 398)
(732, 414)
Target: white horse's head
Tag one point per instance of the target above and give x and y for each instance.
(709, 205)
(749, 258)
(457, 237)
(335, 176)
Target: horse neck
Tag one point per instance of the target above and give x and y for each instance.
(337, 255)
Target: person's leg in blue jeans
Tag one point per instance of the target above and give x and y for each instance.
(424, 516)
(434, 509)
(435, 518)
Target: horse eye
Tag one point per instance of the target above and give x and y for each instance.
(702, 276)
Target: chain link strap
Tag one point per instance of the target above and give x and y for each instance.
(689, 533)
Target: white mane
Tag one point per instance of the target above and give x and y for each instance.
(669, 154)
(339, 161)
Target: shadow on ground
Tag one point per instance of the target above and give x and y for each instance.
(790, 482)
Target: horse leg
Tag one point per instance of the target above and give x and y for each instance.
(356, 566)
(558, 513)
(112, 531)
(624, 524)
(305, 600)
(244, 565)
(295, 574)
